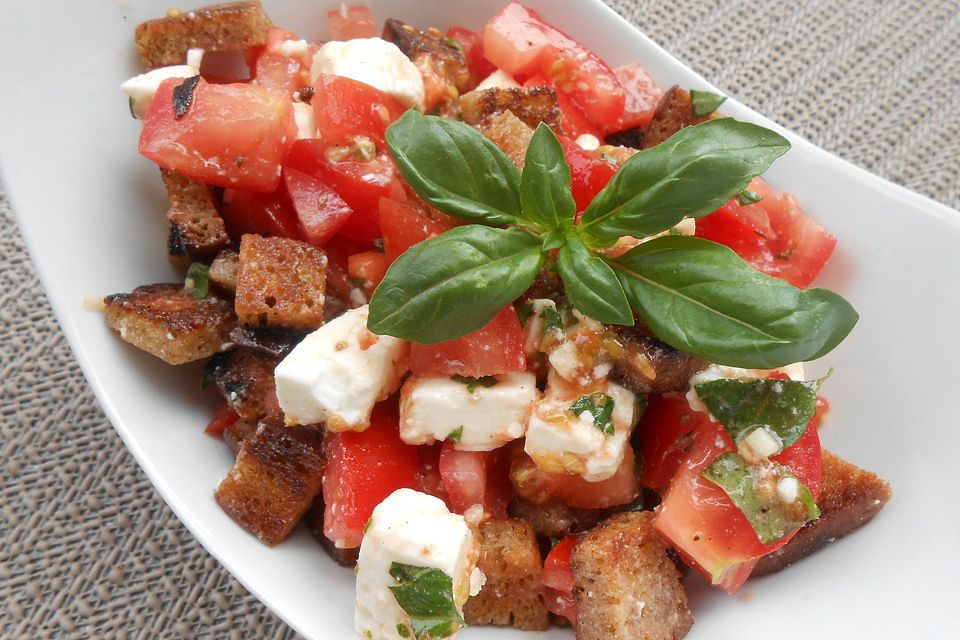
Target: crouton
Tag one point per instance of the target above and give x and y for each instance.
(512, 595)
(625, 586)
(314, 520)
(273, 481)
(631, 138)
(509, 133)
(196, 228)
(532, 105)
(223, 272)
(245, 378)
(235, 435)
(430, 50)
(280, 283)
(274, 343)
(850, 498)
(555, 519)
(674, 112)
(168, 322)
(232, 26)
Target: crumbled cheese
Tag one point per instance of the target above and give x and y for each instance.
(142, 88)
(788, 490)
(588, 142)
(720, 372)
(759, 445)
(306, 121)
(498, 80)
(195, 58)
(374, 61)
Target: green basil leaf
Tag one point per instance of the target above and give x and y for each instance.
(452, 284)
(769, 516)
(454, 168)
(783, 406)
(600, 407)
(691, 174)
(748, 197)
(456, 435)
(545, 195)
(426, 594)
(702, 298)
(705, 102)
(472, 383)
(199, 275)
(591, 285)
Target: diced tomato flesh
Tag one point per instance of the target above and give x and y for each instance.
(665, 432)
(588, 174)
(643, 94)
(362, 469)
(558, 581)
(347, 23)
(231, 135)
(345, 108)
(472, 43)
(319, 209)
(476, 477)
(574, 121)
(494, 348)
(266, 214)
(429, 480)
(369, 268)
(223, 418)
(403, 226)
(279, 73)
(537, 485)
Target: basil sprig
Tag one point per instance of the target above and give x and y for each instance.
(600, 407)
(426, 595)
(695, 295)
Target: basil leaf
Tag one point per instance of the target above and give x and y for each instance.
(426, 594)
(552, 320)
(454, 168)
(748, 197)
(545, 195)
(691, 174)
(751, 491)
(591, 285)
(783, 406)
(705, 102)
(452, 284)
(199, 274)
(600, 408)
(472, 383)
(702, 298)
(456, 435)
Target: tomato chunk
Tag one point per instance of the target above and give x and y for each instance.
(574, 121)
(319, 209)
(494, 348)
(429, 480)
(347, 23)
(521, 43)
(472, 43)
(558, 580)
(345, 107)
(588, 174)
(231, 135)
(363, 469)
(369, 268)
(266, 214)
(666, 433)
(223, 418)
(643, 94)
(403, 226)
(537, 485)
(476, 477)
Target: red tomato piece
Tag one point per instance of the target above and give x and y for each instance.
(521, 43)
(476, 477)
(347, 23)
(537, 485)
(666, 434)
(472, 43)
(275, 37)
(494, 348)
(403, 226)
(266, 214)
(363, 469)
(320, 210)
(223, 417)
(279, 73)
(360, 184)
(558, 580)
(345, 108)
(575, 122)
(368, 267)
(588, 174)
(643, 94)
(429, 480)
(698, 518)
(232, 135)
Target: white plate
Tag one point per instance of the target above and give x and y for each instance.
(91, 211)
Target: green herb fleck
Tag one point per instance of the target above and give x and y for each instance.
(450, 42)
(426, 595)
(473, 383)
(551, 319)
(456, 435)
(705, 102)
(746, 197)
(525, 310)
(403, 630)
(199, 275)
(598, 405)
(359, 283)
(367, 526)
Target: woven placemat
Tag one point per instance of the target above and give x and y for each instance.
(87, 547)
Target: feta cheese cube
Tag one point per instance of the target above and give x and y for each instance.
(588, 142)
(498, 80)
(415, 529)
(561, 442)
(485, 417)
(374, 61)
(720, 372)
(143, 87)
(338, 372)
(759, 445)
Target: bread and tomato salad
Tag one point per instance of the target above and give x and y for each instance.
(519, 335)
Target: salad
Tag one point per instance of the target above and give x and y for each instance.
(517, 335)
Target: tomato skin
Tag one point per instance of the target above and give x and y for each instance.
(537, 485)
(232, 135)
(429, 480)
(279, 73)
(345, 108)
(472, 43)
(223, 418)
(558, 581)
(575, 122)
(588, 174)
(357, 23)
(319, 209)
(494, 348)
(370, 267)
(476, 477)
(664, 430)
(403, 226)
(265, 214)
(362, 469)
(643, 94)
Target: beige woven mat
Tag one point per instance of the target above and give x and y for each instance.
(88, 549)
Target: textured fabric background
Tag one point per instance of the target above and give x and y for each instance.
(87, 547)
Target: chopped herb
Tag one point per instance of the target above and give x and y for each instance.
(359, 283)
(378, 244)
(426, 595)
(525, 310)
(403, 630)
(183, 96)
(367, 526)
(199, 275)
(748, 197)
(473, 383)
(600, 407)
(674, 232)
(705, 102)
(456, 435)
(552, 321)
(554, 541)
(450, 42)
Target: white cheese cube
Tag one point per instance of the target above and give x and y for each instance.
(588, 142)
(415, 529)
(498, 80)
(720, 372)
(374, 61)
(483, 417)
(338, 372)
(143, 87)
(306, 121)
(561, 442)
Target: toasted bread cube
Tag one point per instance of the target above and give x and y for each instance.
(274, 480)
(223, 271)
(168, 322)
(245, 378)
(274, 343)
(532, 105)
(232, 26)
(444, 56)
(554, 518)
(280, 283)
(512, 596)
(236, 434)
(196, 228)
(314, 519)
(849, 499)
(674, 112)
(509, 133)
(625, 585)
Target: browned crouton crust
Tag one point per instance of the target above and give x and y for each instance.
(196, 228)
(280, 283)
(314, 520)
(167, 321)
(629, 138)
(509, 133)
(674, 112)
(235, 435)
(554, 518)
(273, 481)
(231, 26)
(223, 272)
(647, 365)
(849, 499)
(512, 595)
(625, 586)
(245, 378)
(445, 55)
(275, 343)
(532, 105)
